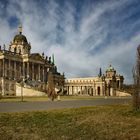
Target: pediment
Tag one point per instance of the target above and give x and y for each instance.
(36, 56)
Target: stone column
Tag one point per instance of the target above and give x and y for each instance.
(28, 69)
(20, 68)
(77, 90)
(3, 67)
(39, 72)
(90, 90)
(43, 75)
(68, 90)
(32, 71)
(81, 90)
(9, 87)
(120, 84)
(3, 74)
(86, 92)
(101, 90)
(3, 86)
(15, 71)
(72, 90)
(9, 69)
(23, 69)
(96, 91)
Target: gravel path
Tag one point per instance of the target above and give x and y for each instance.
(35, 106)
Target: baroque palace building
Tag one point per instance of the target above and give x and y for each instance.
(18, 64)
(102, 85)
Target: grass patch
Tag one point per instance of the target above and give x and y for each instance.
(86, 123)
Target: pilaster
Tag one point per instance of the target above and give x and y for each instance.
(15, 71)
(39, 72)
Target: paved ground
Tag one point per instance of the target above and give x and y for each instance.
(34, 106)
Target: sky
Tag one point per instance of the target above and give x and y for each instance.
(83, 35)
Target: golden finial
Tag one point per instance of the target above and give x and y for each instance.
(20, 29)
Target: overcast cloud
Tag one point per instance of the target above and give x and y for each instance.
(84, 35)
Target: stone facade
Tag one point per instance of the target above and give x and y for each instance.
(18, 64)
(102, 85)
(84, 86)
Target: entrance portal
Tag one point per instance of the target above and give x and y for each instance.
(98, 90)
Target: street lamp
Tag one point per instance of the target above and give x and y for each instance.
(22, 84)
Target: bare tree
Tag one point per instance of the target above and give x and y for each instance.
(136, 77)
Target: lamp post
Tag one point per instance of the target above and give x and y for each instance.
(22, 84)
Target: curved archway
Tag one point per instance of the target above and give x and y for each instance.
(98, 90)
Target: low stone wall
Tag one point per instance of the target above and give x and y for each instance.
(120, 93)
(28, 91)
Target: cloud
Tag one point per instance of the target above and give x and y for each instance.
(83, 35)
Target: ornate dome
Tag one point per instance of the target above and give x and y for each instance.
(110, 68)
(20, 38)
(20, 44)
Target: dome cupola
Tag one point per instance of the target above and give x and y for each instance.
(110, 68)
(20, 37)
(20, 44)
(110, 71)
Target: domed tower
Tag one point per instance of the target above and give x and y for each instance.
(110, 79)
(110, 72)
(20, 44)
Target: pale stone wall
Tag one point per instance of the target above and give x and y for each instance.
(85, 86)
(122, 94)
(91, 86)
(7, 87)
(28, 91)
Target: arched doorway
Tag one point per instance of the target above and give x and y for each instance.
(117, 83)
(98, 90)
(91, 91)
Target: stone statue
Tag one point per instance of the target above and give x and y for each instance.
(43, 54)
(50, 59)
(46, 58)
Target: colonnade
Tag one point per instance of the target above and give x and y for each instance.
(12, 71)
(16, 70)
(35, 71)
(84, 90)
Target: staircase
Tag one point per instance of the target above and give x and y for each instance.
(28, 91)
